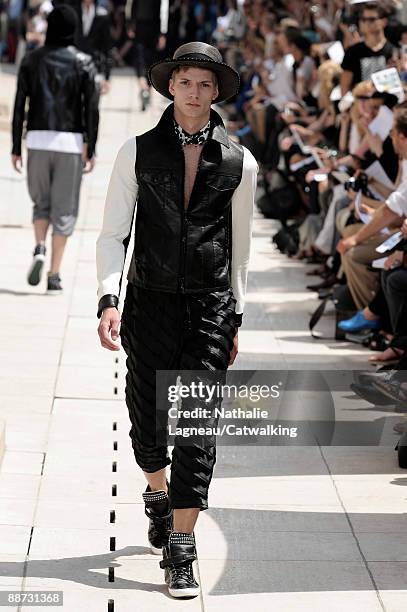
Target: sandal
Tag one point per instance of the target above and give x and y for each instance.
(393, 358)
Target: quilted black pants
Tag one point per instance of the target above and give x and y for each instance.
(173, 331)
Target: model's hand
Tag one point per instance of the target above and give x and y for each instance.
(104, 87)
(88, 165)
(345, 244)
(108, 329)
(235, 348)
(17, 163)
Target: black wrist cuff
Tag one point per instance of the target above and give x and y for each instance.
(238, 319)
(107, 301)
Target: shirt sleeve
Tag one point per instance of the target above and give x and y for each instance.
(117, 221)
(164, 9)
(242, 221)
(348, 59)
(306, 68)
(397, 201)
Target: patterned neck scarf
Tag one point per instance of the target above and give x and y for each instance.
(196, 139)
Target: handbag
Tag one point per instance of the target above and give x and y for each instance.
(282, 200)
(287, 239)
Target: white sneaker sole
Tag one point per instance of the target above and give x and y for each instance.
(54, 291)
(35, 271)
(180, 593)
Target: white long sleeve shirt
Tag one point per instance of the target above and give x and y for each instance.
(120, 205)
(397, 201)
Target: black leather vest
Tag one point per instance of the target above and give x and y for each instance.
(178, 250)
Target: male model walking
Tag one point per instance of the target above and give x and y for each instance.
(149, 26)
(95, 40)
(59, 82)
(186, 282)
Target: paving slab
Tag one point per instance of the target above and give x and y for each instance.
(299, 491)
(19, 486)
(230, 521)
(139, 591)
(17, 462)
(391, 580)
(289, 579)
(88, 515)
(88, 382)
(2, 439)
(17, 511)
(294, 602)
(87, 487)
(14, 539)
(26, 431)
(11, 573)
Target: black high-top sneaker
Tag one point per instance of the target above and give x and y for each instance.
(178, 557)
(54, 286)
(157, 508)
(35, 271)
(145, 97)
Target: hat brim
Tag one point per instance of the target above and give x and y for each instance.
(228, 79)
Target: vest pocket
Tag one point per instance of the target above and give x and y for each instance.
(155, 176)
(223, 182)
(156, 184)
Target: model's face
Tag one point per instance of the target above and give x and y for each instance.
(194, 91)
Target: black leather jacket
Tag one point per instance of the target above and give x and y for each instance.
(178, 250)
(97, 43)
(60, 84)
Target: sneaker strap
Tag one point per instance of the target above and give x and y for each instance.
(157, 517)
(182, 538)
(152, 497)
(177, 559)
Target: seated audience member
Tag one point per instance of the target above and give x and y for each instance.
(356, 250)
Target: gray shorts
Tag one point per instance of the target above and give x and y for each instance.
(54, 182)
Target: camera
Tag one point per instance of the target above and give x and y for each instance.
(358, 183)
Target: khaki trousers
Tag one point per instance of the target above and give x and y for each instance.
(363, 283)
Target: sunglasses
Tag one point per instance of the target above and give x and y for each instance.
(368, 19)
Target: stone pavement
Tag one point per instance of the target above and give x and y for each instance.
(290, 528)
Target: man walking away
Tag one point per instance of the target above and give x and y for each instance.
(59, 82)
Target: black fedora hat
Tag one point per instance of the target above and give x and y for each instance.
(196, 55)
